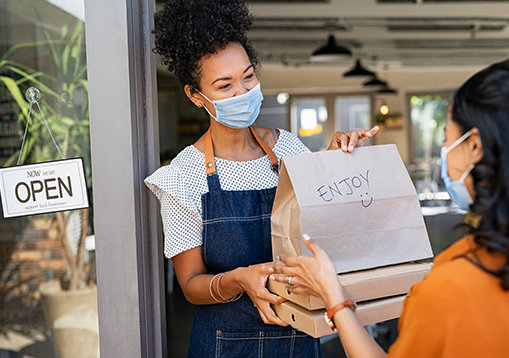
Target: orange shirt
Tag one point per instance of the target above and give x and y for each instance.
(458, 310)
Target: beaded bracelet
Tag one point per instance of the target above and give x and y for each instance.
(234, 298)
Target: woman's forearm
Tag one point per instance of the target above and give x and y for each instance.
(197, 284)
(317, 275)
(355, 339)
(198, 288)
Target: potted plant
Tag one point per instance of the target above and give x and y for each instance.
(70, 305)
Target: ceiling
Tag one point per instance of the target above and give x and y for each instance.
(383, 33)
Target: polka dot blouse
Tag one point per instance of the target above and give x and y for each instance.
(180, 185)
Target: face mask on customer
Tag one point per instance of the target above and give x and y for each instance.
(239, 111)
(456, 188)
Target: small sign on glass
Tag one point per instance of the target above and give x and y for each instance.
(43, 188)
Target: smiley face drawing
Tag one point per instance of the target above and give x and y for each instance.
(365, 202)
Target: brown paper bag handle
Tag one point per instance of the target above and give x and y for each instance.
(209, 152)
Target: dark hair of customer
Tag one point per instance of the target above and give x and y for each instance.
(483, 102)
(187, 30)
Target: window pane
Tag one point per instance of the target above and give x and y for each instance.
(353, 113)
(428, 121)
(308, 118)
(42, 45)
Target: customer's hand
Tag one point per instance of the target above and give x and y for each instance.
(255, 279)
(315, 275)
(350, 140)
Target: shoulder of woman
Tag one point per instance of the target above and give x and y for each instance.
(457, 249)
(174, 174)
(454, 275)
(290, 144)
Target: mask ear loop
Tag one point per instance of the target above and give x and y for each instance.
(459, 141)
(204, 106)
(469, 169)
(209, 112)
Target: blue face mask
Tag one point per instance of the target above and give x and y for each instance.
(239, 111)
(457, 190)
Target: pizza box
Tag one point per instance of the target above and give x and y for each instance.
(364, 285)
(313, 322)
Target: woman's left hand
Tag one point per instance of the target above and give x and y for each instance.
(315, 275)
(350, 140)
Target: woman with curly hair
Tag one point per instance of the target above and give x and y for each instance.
(216, 196)
(461, 309)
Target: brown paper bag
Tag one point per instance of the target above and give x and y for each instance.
(360, 207)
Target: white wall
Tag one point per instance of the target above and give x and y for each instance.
(313, 80)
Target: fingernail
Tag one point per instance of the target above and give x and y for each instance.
(351, 148)
(306, 237)
(272, 277)
(271, 269)
(278, 258)
(344, 147)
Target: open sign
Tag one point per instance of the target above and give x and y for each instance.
(43, 188)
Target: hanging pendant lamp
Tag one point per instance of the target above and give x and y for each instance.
(388, 91)
(330, 51)
(358, 71)
(375, 82)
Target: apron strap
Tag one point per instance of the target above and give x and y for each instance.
(209, 152)
(266, 149)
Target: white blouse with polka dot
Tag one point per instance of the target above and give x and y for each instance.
(180, 185)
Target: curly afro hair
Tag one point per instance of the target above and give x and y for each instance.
(187, 30)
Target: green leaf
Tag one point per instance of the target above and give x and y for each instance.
(80, 74)
(78, 29)
(77, 40)
(84, 83)
(65, 59)
(28, 44)
(16, 93)
(36, 82)
(52, 48)
(68, 121)
(12, 159)
(63, 34)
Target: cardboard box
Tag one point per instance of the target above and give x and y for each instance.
(313, 323)
(364, 285)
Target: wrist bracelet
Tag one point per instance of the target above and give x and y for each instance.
(330, 313)
(234, 298)
(217, 287)
(211, 290)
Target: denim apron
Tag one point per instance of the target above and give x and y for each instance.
(236, 233)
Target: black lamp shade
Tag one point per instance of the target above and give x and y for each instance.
(387, 90)
(331, 48)
(358, 71)
(375, 82)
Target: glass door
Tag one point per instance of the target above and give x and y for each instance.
(353, 113)
(48, 299)
(428, 113)
(309, 117)
(308, 120)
